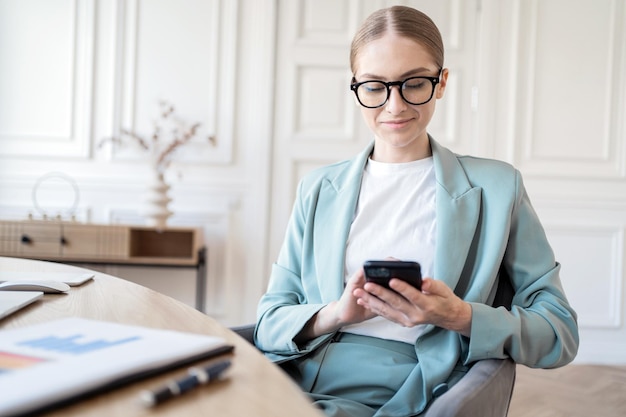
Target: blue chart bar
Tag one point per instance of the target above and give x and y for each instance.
(70, 344)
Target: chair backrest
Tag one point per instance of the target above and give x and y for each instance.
(505, 292)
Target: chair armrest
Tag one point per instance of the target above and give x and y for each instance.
(246, 331)
(484, 391)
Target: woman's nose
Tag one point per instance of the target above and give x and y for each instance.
(395, 103)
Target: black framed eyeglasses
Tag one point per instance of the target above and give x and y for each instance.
(413, 90)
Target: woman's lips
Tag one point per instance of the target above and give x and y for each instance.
(396, 124)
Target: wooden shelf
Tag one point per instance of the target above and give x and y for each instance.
(106, 244)
(167, 243)
(49, 240)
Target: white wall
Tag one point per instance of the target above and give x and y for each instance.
(76, 71)
(538, 83)
(560, 118)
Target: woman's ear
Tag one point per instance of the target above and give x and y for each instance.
(443, 82)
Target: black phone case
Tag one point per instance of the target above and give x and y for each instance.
(380, 272)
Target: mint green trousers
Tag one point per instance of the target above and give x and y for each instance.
(353, 376)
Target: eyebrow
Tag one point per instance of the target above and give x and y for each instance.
(413, 72)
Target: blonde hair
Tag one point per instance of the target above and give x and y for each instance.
(404, 21)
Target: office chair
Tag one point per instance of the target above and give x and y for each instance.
(486, 389)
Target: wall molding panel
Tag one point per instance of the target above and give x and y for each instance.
(589, 240)
(199, 79)
(45, 108)
(594, 289)
(318, 27)
(601, 349)
(320, 115)
(566, 129)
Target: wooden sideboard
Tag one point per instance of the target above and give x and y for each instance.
(73, 242)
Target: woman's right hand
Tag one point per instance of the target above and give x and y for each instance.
(337, 314)
(347, 311)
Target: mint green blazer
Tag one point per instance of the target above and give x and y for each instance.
(484, 221)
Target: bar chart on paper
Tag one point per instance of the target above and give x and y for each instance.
(29, 351)
(67, 357)
(72, 344)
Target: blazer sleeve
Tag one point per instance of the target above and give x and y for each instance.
(287, 306)
(540, 330)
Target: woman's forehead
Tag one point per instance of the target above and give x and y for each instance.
(392, 56)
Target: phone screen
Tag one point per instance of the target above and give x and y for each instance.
(380, 272)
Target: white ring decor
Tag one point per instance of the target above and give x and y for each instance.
(71, 210)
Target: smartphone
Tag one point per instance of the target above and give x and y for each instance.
(380, 272)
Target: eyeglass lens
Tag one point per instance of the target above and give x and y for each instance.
(416, 90)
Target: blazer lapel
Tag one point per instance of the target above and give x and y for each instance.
(458, 211)
(335, 209)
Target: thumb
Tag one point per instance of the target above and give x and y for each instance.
(428, 285)
(357, 279)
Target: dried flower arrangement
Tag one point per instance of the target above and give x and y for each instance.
(161, 152)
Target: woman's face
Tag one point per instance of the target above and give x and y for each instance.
(399, 127)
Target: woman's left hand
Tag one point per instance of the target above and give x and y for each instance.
(435, 304)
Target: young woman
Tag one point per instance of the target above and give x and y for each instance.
(361, 349)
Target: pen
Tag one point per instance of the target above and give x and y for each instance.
(195, 376)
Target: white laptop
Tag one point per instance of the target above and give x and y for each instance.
(12, 301)
(72, 279)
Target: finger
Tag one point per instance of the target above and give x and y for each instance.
(407, 290)
(380, 292)
(434, 287)
(384, 300)
(391, 305)
(360, 276)
(426, 299)
(357, 279)
(381, 308)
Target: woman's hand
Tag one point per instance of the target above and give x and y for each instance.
(339, 313)
(435, 304)
(347, 310)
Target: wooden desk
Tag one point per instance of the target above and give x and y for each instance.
(254, 387)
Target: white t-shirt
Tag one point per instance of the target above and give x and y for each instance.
(395, 217)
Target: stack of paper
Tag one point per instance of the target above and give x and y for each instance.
(53, 362)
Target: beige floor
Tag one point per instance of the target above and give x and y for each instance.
(571, 391)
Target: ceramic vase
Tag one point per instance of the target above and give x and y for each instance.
(156, 200)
